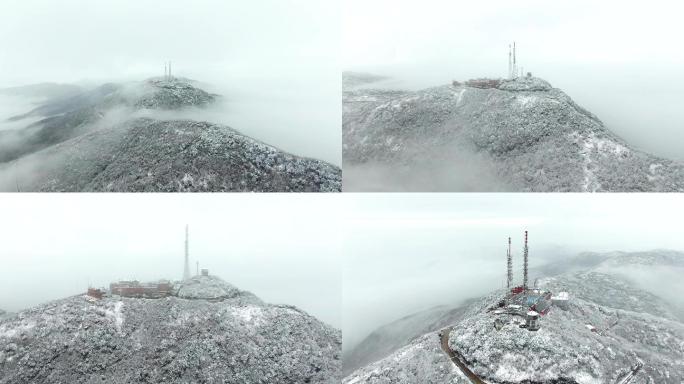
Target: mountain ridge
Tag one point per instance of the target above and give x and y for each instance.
(605, 293)
(106, 139)
(529, 135)
(238, 338)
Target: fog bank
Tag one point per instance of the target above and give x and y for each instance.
(615, 59)
(405, 253)
(275, 62)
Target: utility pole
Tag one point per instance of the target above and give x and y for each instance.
(186, 271)
(525, 264)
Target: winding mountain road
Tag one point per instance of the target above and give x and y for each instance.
(444, 336)
(628, 378)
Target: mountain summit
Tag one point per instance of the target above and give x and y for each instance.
(111, 138)
(207, 331)
(605, 330)
(518, 135)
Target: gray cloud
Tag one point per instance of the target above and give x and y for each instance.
(276, 62)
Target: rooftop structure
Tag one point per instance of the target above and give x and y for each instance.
(532, 321)
(483, 83)
(95, 293)
(137, 289)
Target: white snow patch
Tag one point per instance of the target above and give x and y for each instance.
(459, 97)
(585, 378)
(507, 370)
(653, 168)
(7, 332)
(116, 315)
(524, 100)
(398, 104)
(187, 178)
(249, 314)
(406, 351)
(590, 183)
(603, 145)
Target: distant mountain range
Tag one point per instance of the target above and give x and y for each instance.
(208, 331)
(634, 327)
(97, 140)
(513, 135)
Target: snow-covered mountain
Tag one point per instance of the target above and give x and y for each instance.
(111, 139)
(521, 135)
(209, 332)
(393, 336)
(635, 332)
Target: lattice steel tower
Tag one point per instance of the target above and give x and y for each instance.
(186, 272)
(525, 264)
(510, 265)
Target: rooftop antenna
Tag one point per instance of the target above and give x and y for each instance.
(525, 264)
(166, 71)
(510, 265)
(170, 77)
(197, 273)
(186, 271)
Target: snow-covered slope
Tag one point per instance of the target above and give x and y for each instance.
(167, 156)
(206, 287)
(633, 327)
(525, 135)
(391, 337)
(238, 339)
(98, 141)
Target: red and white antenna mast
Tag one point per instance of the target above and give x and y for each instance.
(525, 263)
(510, 265)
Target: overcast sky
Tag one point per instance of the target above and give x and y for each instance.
(276, 61)
(408, 252)
(282, 247)
(619, 59)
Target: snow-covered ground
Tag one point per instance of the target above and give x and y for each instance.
(239, 339)
(534, 137)
(609, 327)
